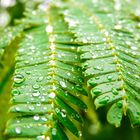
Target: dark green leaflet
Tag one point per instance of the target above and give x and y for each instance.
(47, 83)
(109, 36)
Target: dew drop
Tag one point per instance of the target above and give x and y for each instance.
(18, 130)
(17, 109)
(118, 27)
(114, 91)
(39, 79)
(31, 108)
(134, 48)
(15, 92)
(96, 91)
(119, 104)
(36, 93)
(105, 100)
(63, 114)
(19, 79)
(54, 131)
(63, 84)
(80, 133)
(49, 29)
(91, 83)
(36, 86)
(52, 95)
(109, 77)
(36, 117)
(68, 74)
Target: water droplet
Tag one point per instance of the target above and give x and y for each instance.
(49, 29)
(52, 95)
(63, 84)
(39, 79)
(98, 68)
(18, 130)
(28, 72)
(36, 117)
(17, 109)
(134, 48)
(91, 83)
(115, 91)
(19, 79)
(36, 93)
(31, 108)
(15, 92)
(63, 114)
(96, 91)
(36, 86)
(54, 131)
(80, 133)
(105, 100)
(44, 118)
(119, 104)
(68, 74)
(118, 27)
(109, 77)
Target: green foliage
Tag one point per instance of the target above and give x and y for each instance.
(59, 55)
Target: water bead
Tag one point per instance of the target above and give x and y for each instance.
(18, 130)
(18, 79)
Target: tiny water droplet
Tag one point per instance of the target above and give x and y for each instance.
(96, 91)
(36, 86)
(18, 130)
(114, 91)
(36, 93)
(17, 109)
(15, 92)
(49, 29)
(119, 104)
(52, 95)
(31, 108)
(63, 84)
(80, 133)
(39, 79)
(91, 83)
(109, 77)
(105, 100)
(54, 131)
(36, 117)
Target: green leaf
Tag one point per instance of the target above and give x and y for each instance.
(109, 46)
(48, 83)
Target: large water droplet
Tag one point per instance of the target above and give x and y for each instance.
(19, 79)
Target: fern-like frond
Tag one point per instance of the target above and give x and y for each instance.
(47, 83)
(109, 39)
